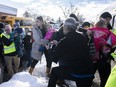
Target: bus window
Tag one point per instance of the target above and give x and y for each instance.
(17, 21)
(21, 23)
(27, 23)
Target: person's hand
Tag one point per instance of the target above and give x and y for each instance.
(106, 49)
(16, 34)
(54, 42)
(47, 46)
(89, 32)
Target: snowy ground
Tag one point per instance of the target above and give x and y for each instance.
(24, 79)
(38, 79)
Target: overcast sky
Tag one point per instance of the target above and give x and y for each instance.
(88, 8)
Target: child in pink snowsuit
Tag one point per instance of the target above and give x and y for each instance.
(47, 37)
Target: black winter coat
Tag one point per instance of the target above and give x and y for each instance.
(27, 42)
(58, 35)
(73, 52)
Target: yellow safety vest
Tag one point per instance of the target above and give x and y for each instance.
(113, 54)
(114, 31)
(111, 82)
(8, 49)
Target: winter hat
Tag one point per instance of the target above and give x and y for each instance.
(19, 30)
(106, 15)
(86, 24)
(16, 25)
(40, 18)
(74, 16)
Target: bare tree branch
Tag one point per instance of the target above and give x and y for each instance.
(64, 11)
(71, 9)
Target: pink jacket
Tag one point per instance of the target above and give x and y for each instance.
(49, 34)
(101, 37)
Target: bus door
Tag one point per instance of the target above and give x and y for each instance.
(114, 23)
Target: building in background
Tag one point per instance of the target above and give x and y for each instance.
(7, 10)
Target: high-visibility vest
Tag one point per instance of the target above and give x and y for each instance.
(111, 82)
(113, 54)
(114, 31)
(8, 49)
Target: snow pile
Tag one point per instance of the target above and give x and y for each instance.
(38, 79)
(24, 79)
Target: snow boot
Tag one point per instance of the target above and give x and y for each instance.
(48, 71)
(31, 70)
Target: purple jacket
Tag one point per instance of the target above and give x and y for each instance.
(49, 34)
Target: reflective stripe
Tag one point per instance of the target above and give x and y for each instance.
(6, 35)
(9, 49)
(0, 35)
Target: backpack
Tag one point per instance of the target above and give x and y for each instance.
(92, 49)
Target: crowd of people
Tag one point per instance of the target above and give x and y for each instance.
(14, 48)
(80, 49)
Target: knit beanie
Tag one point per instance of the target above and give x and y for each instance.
(106, 15)
(74, 16)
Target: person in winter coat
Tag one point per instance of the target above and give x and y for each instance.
(48, 37)
(28, 46)
(107, 16)
(11, 58)
(39, 31)
(84, 28)
(103, 47)
(1, 45)
(59, 34)
(73, 54)
(2, 62)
